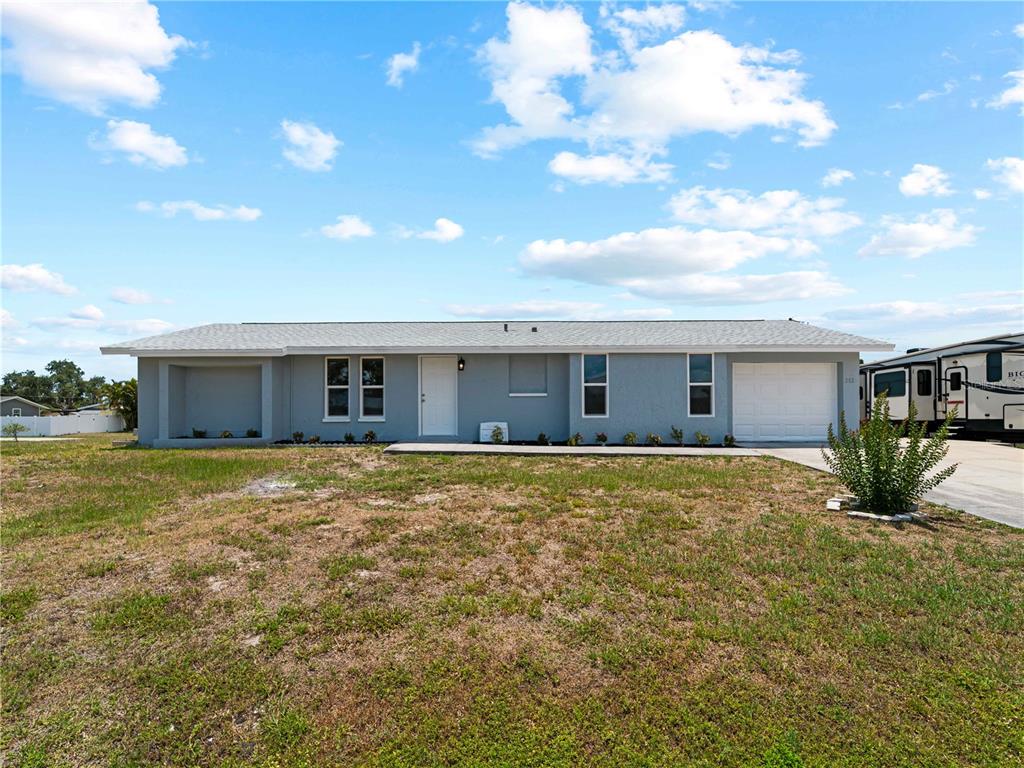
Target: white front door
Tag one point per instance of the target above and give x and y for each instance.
(439, 388)
(783, 401)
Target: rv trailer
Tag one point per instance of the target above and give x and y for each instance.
(983, 380)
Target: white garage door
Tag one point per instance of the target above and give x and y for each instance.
(783, 401)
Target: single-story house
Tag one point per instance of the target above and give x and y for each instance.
(16, 405)
(759, 380)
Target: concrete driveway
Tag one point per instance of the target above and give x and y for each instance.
(988, 483)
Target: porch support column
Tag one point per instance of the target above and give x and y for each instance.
(164, 394)
(267, 400)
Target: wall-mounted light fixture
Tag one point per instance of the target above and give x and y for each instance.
(462, 364)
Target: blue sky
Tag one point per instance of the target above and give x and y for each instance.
(850, 164)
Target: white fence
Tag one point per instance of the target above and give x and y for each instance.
(73, 424)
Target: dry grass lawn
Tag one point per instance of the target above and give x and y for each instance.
(336, 606)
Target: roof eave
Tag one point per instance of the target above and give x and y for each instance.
(498, 349)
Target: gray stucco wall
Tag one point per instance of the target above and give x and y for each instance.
(220, 398)
(647, 393)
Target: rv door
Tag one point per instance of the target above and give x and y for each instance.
(954, 390)
(922, 391)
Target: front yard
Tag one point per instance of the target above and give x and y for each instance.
(336, 606)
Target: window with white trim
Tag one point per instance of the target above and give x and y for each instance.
(701, 384)
(595, 386)
(371, 388)
(15, 411)
(336, 378)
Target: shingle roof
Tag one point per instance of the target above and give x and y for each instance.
(274, 339)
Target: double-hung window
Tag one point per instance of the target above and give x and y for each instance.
(371, 388)
(336, 389)
(701, 383)
(595, 386)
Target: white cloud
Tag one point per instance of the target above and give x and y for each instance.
(1019, 30)
(7, 319)
(1008, 171)
(643, 97)
(348, 227)
(23, 278)
(542, 46)
(669, 263)
(89, 54)
(401, 63)
(947, 88)
(982, 194)
(781, 212)
(739, 289)
(930, 232)
(952, 311)
(632, 25)
(309, 148)
(444, 231)
(201, 212)
(610, 169)
(128, 295)
(720, 161)
(91, 317)
(88, 312)
(1012, 95)
(836, 176)
(142, 145)
(925, 180)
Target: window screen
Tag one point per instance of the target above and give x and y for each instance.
(527, 375)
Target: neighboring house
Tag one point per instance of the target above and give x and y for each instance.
(756, 379)
(16, 405)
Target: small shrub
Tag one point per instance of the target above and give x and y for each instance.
(314, 439)
(543, 439)
(701, 438)
(677, 435)
(370, 436)
(729, 441)
(601, 438)
(497, 434)
(629, 438)
(297, 437)
(226, 434)
(250, 432)
(13, 430)
(653, 439)
(349, 437)
(199, 434)
(576, 439)
(886, 477)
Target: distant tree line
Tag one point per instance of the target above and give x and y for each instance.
(64, 388)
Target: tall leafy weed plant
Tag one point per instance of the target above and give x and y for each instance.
(885, 475)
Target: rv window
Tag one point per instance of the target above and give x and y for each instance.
(924, 383)
(892, 384)
(993, 366)
(955, 379)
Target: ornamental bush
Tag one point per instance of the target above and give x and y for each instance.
(885, 475)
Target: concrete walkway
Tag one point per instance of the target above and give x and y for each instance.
(988, 483)
(562, 450)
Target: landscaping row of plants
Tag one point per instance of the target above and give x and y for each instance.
(629, 439)
(299, 438)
